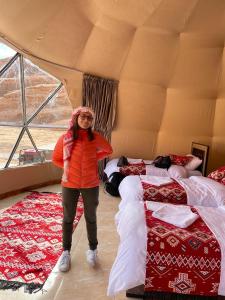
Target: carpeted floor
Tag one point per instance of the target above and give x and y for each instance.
(31, 240)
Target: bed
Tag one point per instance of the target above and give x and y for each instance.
(193, 164)
(131, 273)
(131, 266)
(145, 167)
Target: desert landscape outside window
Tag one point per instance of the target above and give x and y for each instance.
(34, 109)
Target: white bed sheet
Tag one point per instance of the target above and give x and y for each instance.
(128, 269)
(111, 167)
(174, 171)
(203, 191)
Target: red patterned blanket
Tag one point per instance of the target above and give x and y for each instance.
(168, 193)
(133, 169)
(31, 238)
(183, 261)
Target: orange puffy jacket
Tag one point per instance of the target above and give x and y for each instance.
(83, 165)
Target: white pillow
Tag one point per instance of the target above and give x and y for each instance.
(134, 160)
(147, 161)
(176, 171)
(194, 163)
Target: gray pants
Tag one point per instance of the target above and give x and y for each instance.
(90, 200)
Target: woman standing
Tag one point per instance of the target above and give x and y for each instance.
(78, 152)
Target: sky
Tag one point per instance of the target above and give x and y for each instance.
(5, 51)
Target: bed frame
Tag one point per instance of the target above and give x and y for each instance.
(201, 151)
(138, 292)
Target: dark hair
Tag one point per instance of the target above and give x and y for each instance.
(76, 127)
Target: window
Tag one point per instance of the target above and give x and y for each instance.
(34, 109)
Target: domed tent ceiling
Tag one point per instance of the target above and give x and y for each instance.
(167, 54)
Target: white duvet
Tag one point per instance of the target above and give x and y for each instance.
(200, 190)
(174, 171)
(128, 269)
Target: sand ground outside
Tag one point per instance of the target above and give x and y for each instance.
(43, 138)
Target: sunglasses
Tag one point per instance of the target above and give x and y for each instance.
(88, 117)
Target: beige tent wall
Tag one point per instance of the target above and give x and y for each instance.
(218, 141)
(136, 127)
(71, 79)
(168, 56)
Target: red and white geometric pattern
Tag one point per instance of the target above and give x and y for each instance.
(185, 261)
(168, 193)
(182, 284)
(218, 175)
(180, 160)
(133, 169)
(31, 238)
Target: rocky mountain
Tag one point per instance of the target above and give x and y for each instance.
(38, 86)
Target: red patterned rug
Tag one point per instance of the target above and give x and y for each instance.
(31, 240)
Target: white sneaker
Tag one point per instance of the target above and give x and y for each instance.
(91, 256)
(65, 261)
